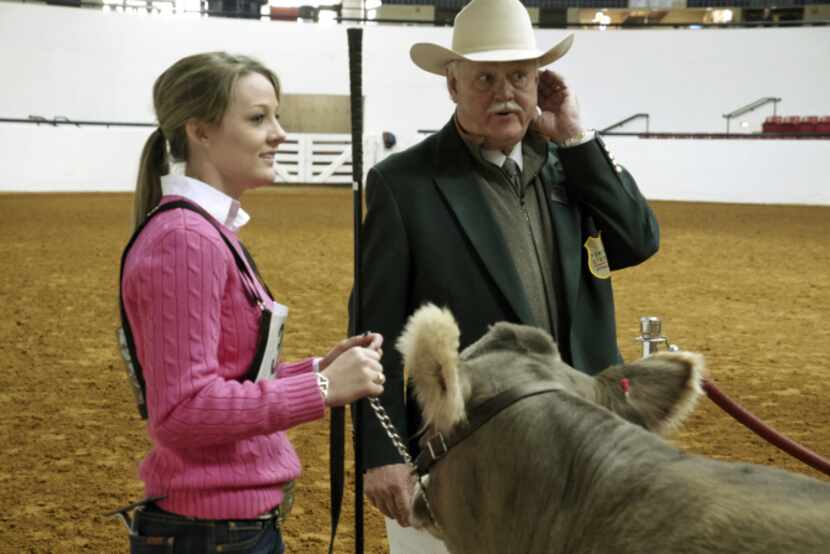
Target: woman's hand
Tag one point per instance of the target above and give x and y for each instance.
(372, 341)
(352, 375)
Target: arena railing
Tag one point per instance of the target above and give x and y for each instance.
(326, 159)
(625, 121)
(63, 120)
(731, 136)
(751, 107)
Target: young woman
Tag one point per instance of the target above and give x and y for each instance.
(203, 329)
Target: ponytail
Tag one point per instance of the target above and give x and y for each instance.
(153, 165)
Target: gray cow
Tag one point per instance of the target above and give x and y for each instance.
(581, 469)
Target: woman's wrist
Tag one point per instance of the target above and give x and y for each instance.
(323, 384)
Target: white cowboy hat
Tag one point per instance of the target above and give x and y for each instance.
(488, 31)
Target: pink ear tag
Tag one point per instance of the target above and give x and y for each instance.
(626, 385)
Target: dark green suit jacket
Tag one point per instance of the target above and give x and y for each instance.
(429, 236)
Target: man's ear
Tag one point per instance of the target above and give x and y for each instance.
(451, 87)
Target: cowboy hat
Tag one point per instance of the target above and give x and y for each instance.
(488, 31)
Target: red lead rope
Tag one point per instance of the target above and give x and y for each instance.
(765, 431)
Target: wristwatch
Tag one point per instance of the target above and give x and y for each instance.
(323, 383)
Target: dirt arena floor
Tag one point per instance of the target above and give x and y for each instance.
(748, 286)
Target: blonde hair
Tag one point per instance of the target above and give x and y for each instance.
(195, 87)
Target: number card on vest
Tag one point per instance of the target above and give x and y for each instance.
(273, 345)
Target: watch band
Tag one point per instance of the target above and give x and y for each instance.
(323, 383)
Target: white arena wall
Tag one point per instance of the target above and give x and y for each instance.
(91, 65)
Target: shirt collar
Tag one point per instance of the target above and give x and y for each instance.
(219, 205)
(496, 157)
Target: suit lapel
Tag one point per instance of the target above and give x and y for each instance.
(455, 180)
(567, 232)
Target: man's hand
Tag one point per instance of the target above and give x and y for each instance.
(559, 120)
(389, 489)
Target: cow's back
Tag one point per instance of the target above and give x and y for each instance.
(557, 475)
(735, 507)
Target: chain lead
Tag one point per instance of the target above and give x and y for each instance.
(382, 416)
(392, 433)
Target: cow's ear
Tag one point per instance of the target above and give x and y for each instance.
(429, 345)
(657, 392)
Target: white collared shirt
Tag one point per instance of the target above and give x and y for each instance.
(219, 205)
(497, 157)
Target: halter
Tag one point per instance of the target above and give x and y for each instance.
(438, 445)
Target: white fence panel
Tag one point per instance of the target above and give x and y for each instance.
(322, 158)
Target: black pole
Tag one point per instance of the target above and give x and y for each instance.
(337, 434)
(356, 79)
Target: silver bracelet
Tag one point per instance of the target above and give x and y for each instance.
(323, 383)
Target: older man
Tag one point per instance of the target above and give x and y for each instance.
(513, 211)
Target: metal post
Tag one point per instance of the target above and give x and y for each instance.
(651, 337)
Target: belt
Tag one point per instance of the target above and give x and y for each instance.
(154, 525)
(260, 520)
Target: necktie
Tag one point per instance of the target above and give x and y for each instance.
(514, 175)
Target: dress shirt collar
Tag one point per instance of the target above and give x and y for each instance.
(219, 205)
(497, 157)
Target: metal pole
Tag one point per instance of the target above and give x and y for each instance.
(356, 79)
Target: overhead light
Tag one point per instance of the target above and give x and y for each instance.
(602, 19)
(722, 16)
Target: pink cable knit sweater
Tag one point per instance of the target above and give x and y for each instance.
(219, 445)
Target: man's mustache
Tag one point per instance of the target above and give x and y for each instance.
(509, 106)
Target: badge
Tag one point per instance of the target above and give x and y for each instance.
(273, 344)
(597, 260)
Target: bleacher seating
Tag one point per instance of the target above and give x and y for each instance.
(810, 124)
(744, 3)
(576, 3)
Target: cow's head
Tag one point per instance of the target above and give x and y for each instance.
(656, 393)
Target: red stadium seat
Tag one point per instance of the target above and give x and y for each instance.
(808, 124)
(285, 13)
(790, 124)
(772, 124)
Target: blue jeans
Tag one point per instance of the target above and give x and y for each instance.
(158, 532)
